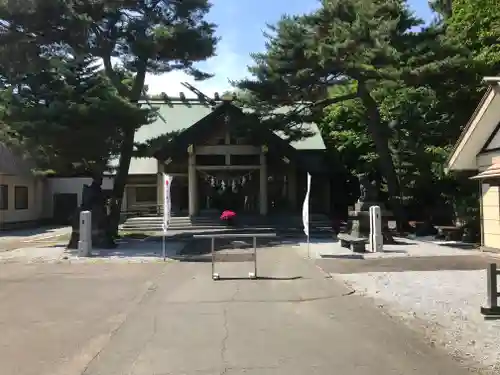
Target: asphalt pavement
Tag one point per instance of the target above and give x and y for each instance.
(159, 319)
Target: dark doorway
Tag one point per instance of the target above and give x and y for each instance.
(65, 206)
(229, 190)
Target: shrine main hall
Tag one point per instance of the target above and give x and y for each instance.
(222, 158)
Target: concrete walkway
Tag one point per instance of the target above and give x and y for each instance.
(26, 238)
(155, 319)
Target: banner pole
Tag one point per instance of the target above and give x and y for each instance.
(167, 179)
(305, 214)
(164, 252)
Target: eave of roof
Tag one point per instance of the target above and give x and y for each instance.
(457, 148)
(493, 171)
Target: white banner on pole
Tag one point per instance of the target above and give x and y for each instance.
(167, 204)
(305, 207)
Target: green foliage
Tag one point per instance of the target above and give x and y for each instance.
(388, 88)
(365, 46)
(150, 147)
(144, 36)
(72, 114)
(156, 37)
(476, 25)
(343, 127)
(443, 8)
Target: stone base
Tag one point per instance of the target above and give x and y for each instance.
(360, 221)
(360, 226)
(100, 237)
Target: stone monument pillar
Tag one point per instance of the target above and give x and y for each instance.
(93, 200)
(360, 215)
(376, 238)
(85, 240)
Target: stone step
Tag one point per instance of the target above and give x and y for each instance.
(153, 227)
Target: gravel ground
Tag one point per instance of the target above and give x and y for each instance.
(445, 304)
(131, 252)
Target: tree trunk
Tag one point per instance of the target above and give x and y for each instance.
(126, 149)
(381, 140)
(121, 179)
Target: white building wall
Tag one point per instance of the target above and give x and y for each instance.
(35, 199)
(68, 185)
(495, 141)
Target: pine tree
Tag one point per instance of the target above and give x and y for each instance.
(71, 113)
(345, 41)
(146, 36)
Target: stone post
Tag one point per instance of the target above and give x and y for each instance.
(376, 238)
(85, 241)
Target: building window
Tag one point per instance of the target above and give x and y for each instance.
(145, 194)
(21, 197)
(4, 197)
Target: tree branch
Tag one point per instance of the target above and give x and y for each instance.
(140, 77)
(330, 101)
(123, 90)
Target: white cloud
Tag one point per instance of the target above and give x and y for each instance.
(227, 65)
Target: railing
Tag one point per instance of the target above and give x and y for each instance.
(492, 291)
(142, 210)
(220, 257)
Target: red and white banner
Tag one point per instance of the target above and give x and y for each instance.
(167, 204)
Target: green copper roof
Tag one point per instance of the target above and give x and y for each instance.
(179, 115)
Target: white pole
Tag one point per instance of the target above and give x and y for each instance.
(308, 248)
(305, 214)
(167, 179)
(164, 252)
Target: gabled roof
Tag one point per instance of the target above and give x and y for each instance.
(178, 115)
(479, 130)
(200, 129)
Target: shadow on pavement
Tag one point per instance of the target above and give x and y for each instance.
(463, 246)
(203, 246)
(404, 264)
(30, 232)
(261, 278)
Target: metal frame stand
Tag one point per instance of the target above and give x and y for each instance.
(252, 258)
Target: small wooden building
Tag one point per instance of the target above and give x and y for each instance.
(478, 150)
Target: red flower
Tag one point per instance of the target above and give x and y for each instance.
(227, 215)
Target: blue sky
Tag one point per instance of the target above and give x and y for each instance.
(240, 25)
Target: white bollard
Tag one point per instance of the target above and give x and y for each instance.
(85, 242)
(376, 238)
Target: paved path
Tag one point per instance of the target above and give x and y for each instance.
(45, 236)
(155, 319)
